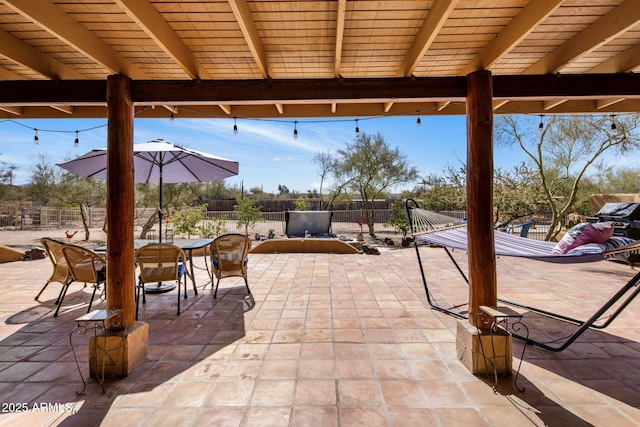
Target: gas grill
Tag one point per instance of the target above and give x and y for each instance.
(625, 216)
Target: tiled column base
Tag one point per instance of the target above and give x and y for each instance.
(470, 344)
(123, 353)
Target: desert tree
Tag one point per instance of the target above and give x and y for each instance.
(564, 149)
(368, 167)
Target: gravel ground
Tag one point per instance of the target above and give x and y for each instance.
(24, 240)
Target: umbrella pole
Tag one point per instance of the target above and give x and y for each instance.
(160, 287)
(160, 206)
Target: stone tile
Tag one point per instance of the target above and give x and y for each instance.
(332, 340)
(316, 392)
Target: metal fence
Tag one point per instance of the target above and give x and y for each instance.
(342, 221)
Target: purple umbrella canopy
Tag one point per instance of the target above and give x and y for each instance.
(157, 162)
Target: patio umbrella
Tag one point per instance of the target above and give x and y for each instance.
(158, 162)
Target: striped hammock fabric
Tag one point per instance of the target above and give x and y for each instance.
(511, 245)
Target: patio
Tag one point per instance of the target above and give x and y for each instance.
(339, 340)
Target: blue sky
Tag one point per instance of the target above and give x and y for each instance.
(266, 150)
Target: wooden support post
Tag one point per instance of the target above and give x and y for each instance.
(482, 259)
(120, 202)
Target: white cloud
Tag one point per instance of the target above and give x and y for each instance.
(284, 159)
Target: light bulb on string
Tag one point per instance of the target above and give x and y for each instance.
(357, 130)
(541, 125)
(614, 128)
(172, 117)
(295, 129)
(76, 143)
(418, 122)
(36, 140)
(235, 127)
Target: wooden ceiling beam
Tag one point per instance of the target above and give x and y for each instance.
(601, 32)
(569, 86)
(16, 111)
(64, 108)
(55, 21)
(9, 75)
(546, 87)
(604, 103)
(28, 56)
(500, 103)
(152, 23)
(341, 15)
(387, 106)
(517, 30)
(298, 91)
(625, 62)
(226, 108)
(250, 32)
(436, 17)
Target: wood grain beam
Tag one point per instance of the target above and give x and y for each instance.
(55, 21)
(569, 86)
(436, 17)
(387, 106)
(152, 23)
(322, 91)
(625, 62)
(299, 91)
(64, 108)
(340, 18)
(28, 56)
(552, 103)
(604, 103)
(248, 27)
(517, 30)
(16, 111)
(498, 104)
(9, 75)
(226, 108)
(601, 32)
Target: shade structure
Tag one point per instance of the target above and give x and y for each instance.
(158, 162)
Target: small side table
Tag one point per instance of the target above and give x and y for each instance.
(99, 318)
(495, 318)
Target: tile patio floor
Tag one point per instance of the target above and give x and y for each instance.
(332, 340)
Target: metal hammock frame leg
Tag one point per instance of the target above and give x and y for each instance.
(583, 325)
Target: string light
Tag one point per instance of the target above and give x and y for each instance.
(295, 129)
(172, 117)
(541, 125)
(614, 128)
(76, 143)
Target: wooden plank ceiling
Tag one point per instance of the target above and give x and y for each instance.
(309, 44)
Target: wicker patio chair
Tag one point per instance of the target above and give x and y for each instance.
(60, 272)
(159, 262)
(229, 258)
(84, 266)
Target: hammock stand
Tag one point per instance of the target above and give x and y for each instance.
(423, 224)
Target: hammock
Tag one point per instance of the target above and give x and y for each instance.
(447, 235)
(511, 245)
